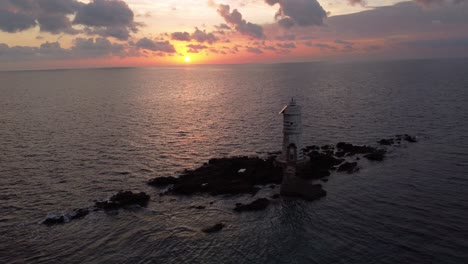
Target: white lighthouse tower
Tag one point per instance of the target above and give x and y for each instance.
(291, 153)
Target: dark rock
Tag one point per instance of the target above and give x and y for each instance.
(272, 186)
(199, 207)
(377, 155)
(410, 139)
(78, 213)
(301, 189)
(257, 205)
(53, 219)
(163, 181)
(324, 179)
(215, 228)
(123, 199)
(351, 149)
(320, 165)
(275, 196)
(386, 142)
(221, 176)
(349, 167)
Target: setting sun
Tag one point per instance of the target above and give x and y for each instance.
(188, 59)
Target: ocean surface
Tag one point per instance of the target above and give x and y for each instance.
(70, 137)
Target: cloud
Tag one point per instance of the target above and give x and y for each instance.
(357, 2)
(181, 36)
(235, 19)
(15, 21)
(254, 50)
(196, 48)
(286, 37)
(203, 36)
(82, 48)
(108, 18)
(162, 46)
(50, 15)
(298, 12)
(289, 45)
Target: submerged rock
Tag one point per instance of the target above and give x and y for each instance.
(378, 155)
(349, 167)
(123, 199)
(386, 142)
(53, 219)
(257, 205)
(163, 181)
(216, 228)
(301, 189)
(349, 149)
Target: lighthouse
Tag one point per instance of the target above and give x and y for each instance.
(291, 153)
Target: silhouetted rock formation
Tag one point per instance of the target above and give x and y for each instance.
(123, 199)
(216, 228)
(349, 167)
(163, 181)
(53, 219)
(301, 189)
(228, 176)
(257, 205)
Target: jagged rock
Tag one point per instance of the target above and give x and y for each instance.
(410, 139)
(53, 219)
(215, 228)
(377, 155)
(351, 149)
(163, 181)
(349, 167)
(320, 165)
(302, 189)
(221, 176)
(386, 142)
(257, 205)
(123, 199)
(78, 213)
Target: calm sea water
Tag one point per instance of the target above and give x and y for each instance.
(70, 137)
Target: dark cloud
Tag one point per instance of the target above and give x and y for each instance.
(299, 12)
(181, 36)
(107, 18)
(203, 36)
(99, 47)
(286, 37)
(50, 15)
(323, 46)
(235, 19)
(162, 46)
(254, 50)
(56, 24)
(289, 45)
(82, 49)
(196, 48)
(357, 2)
(14, 22)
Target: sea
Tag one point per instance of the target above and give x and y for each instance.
(71, 137)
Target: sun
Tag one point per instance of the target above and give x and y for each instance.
(187, 59)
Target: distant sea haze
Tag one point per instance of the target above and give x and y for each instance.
(71, 137)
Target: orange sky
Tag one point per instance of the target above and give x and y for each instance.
(101, 33)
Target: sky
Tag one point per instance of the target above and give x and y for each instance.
(43, 34)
